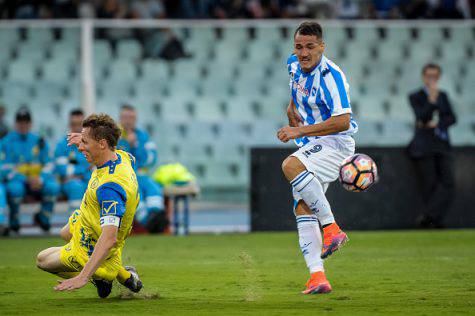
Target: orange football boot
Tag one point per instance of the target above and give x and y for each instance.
(333, 239)
(317, 284)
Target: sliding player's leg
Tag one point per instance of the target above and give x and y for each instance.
(126, 276)
(49, 260)
(310, 240)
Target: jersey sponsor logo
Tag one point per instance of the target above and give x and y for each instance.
(109, 208)
(300, 88)
(313, 150)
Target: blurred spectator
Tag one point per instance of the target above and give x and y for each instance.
(65, 9)
(112, 9)
(24, 9)
(163, 43)
(237, 9)
(430, 147)
(148, 9)
(386, 8)
(151, 213)
(71, 165)
(190, 9)
(27, 168)
(417, 9)
(346, 9)
(3, 125)
(448, 9)
(233, 9)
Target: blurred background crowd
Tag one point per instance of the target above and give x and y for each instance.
(238, 9)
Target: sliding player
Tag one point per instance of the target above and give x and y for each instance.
(99, 228)
(321, 124)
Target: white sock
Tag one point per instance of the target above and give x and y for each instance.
(312, 193)
(310, 240)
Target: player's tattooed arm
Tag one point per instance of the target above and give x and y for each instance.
(293, 115)
(334, 124)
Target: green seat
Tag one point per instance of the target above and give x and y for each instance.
(65, 51)
(400, 109)
(268, 35)
(102, 52)
(56, 70)
(21, 71)
(430, 34)
(32, 52)
(153, 70)
(209, 109)
(123, 70)
(39, 35)
(240, 109)
(129, 49)
(398, 35)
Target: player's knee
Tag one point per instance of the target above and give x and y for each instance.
(291, 167)
(41, 260)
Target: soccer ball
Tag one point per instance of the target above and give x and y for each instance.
(358, 173)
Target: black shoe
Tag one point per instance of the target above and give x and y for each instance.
(157, 222)
(133, 283)
(104, 288)
(42, 221)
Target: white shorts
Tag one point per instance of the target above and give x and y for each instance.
(323, 157)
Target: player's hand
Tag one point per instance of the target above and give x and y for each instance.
(293, 116)
(71, 284)
(433, 92)
(35, 183)
(431, 124)
(287, 133)
(131, 139)
(74, 139)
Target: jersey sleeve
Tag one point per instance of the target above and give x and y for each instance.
(291, 60)
(111, 197)
(336, 94)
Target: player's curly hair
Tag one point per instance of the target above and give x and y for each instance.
(310, 28)
(103, 127)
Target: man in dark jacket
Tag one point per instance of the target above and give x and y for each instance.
(431, 148)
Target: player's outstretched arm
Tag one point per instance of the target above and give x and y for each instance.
(106, 241)
(334, 124)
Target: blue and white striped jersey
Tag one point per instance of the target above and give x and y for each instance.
(320, 94)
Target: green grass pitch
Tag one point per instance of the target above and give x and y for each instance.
(401, 272)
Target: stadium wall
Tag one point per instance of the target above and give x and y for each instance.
(393, 203)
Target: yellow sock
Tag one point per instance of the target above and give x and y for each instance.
(67, 275)
(123, 275)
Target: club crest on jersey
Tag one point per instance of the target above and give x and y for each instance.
(109, 208)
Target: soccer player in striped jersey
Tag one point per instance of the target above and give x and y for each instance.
(321, 124)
